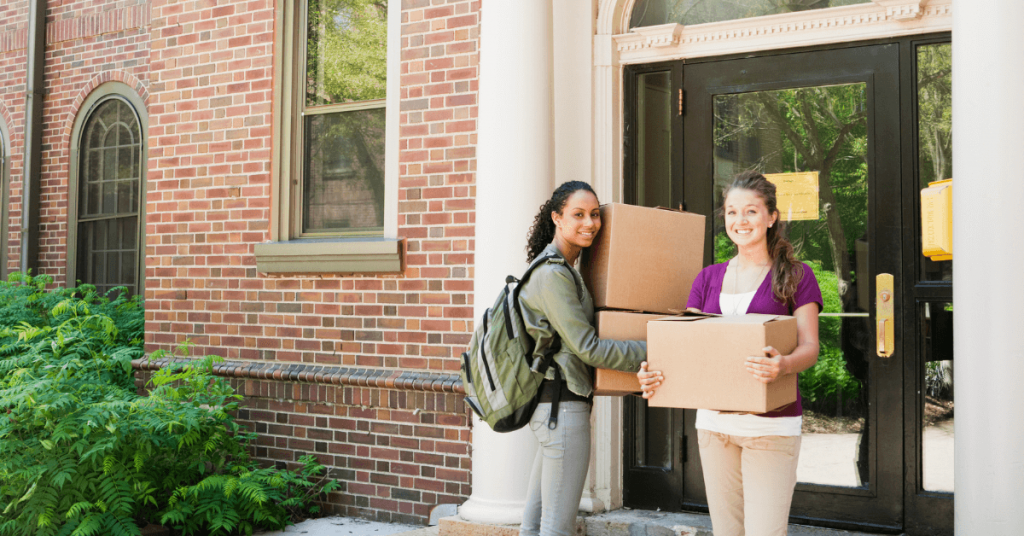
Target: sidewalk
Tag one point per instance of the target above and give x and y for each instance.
(617, 523)
(348, 526)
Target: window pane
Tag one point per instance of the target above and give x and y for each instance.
(344, 172)
(937, 439)
(654, 140)
(935, 131)
(346, 54)
(654, 12)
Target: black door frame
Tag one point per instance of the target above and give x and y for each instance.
(893, 88)
(640, 480)
(927, 512)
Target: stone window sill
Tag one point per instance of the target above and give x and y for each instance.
(332, 256)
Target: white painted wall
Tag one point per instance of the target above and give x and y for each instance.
(988, 193)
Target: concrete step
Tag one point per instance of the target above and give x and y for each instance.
(648, 523)
(626, 523)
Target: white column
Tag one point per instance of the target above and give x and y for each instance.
(515, 167)
(988, 137)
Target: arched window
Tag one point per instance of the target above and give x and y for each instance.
(108, 222)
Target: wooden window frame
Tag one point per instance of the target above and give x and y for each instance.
(106, 91)
(289, 250)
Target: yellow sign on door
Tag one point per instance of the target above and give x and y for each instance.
(797, 194)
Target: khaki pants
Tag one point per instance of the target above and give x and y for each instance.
(749, 482)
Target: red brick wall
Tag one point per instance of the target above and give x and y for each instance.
(209, 203)
(87, 43)
(205, 71)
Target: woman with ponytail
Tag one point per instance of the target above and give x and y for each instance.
(558, 313)
(750, 461)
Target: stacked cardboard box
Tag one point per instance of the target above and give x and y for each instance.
(640, 269)
(643, 261)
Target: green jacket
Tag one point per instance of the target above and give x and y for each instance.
(555, 300)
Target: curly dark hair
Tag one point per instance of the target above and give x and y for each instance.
(542, 232)
(787, 271)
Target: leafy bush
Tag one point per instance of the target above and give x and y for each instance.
(85, 455)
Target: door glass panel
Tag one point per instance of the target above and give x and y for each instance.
(686, 12)
(823, 130)
(936, 321)
(654, 139)
(653, 441)
(935, 131)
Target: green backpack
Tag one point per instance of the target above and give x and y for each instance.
(500, 376)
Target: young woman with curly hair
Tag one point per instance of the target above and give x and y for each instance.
(750, 461)
(558, 312)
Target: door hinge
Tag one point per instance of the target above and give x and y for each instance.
(682, 101)
(682, 449)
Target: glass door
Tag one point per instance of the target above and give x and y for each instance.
(826, 126)
(856, 132)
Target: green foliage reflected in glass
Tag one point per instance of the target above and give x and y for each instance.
(935, 112)
(654, 12)
(935, 131)
(346, 54)
(822, 129)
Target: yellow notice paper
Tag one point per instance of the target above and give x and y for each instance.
(797, 194)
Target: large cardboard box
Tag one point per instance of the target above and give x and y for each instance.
(702, 358)
(619, 326)
(644, 259)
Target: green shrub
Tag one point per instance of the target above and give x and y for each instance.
(83, 454)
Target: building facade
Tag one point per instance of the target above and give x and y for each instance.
(299, 187)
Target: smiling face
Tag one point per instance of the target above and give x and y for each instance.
(747, 218)
(580, 220)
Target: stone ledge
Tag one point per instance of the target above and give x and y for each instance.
(332, 256)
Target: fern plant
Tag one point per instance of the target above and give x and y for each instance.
(84, 455)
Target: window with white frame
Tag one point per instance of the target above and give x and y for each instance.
(334, 180)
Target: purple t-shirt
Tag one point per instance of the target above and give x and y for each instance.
(708, 287)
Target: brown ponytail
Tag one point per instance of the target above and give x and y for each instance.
(787, 271)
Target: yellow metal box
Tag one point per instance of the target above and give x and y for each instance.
(937, 220)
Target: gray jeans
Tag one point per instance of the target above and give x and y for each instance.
(556, 482)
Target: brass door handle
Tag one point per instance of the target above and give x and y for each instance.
(884, 314)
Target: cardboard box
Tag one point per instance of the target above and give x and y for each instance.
(619, 326)
(644, 259)
(702, 358)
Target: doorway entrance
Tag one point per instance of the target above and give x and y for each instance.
(854, 132)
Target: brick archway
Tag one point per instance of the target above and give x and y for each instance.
(107, 76)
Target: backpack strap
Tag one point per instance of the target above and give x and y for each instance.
(553, 417)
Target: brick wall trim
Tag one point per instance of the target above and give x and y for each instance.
(87, 25)
(318, 374)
